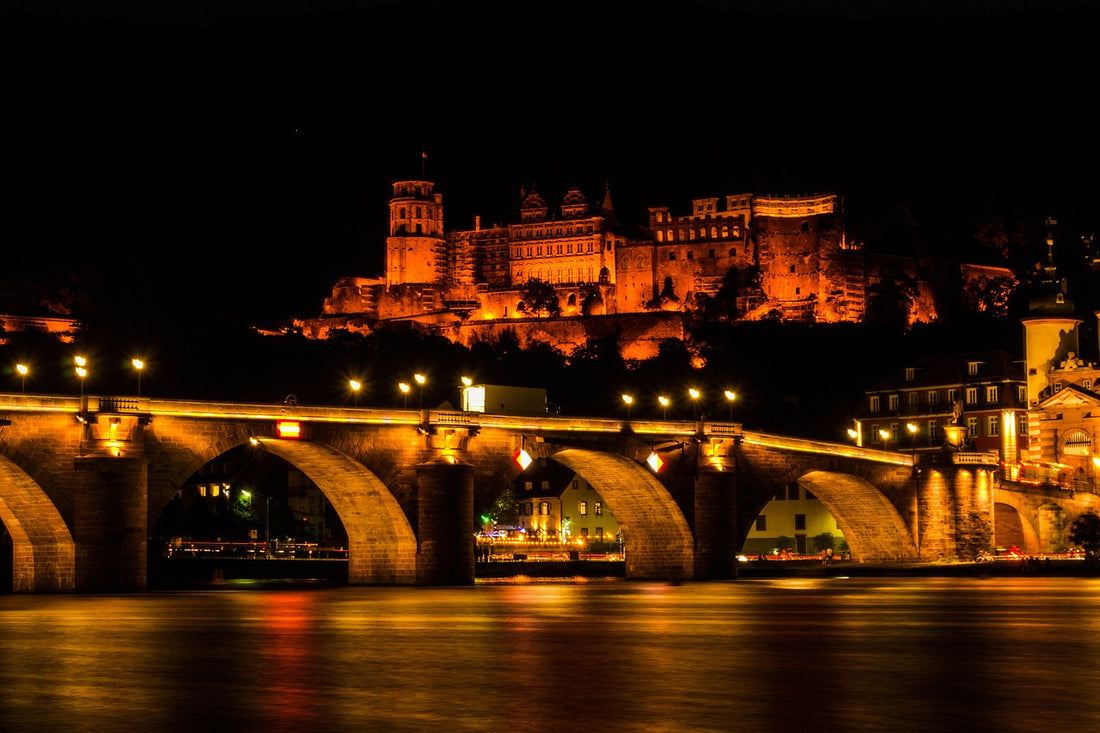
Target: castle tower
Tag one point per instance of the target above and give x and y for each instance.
(415, 247)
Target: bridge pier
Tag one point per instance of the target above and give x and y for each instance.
(110, 524)
(954, 510)
(715, 519)
(445, 522)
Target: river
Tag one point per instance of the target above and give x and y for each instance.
(809, 654)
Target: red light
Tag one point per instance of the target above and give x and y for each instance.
(291, 429)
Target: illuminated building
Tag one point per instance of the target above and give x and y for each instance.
(791, 255)
(555, 505)
(984, 392)
(796, 515)
(1062, 390)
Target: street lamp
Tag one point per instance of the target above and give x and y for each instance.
(912, 428)
(23, 369)
(466, 382)
(420, 379)
(355, 385)
(138, 365)
(81, 371)
(885, 435)
(628, 400)
(404, 387)
(664, 403)
(730, 397)
(694, 394)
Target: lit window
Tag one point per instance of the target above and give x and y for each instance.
(933, 398)
(993, 427)
(544, 508)
(597, 508)
(992, 394)
(875, 403)
(910, 374)
(972, 368)
(892, 402)
(972, 427)
(582, 508)
(971, 395)
(1021, 418)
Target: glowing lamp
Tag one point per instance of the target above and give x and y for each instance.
(655, 462)
(290, 429)
(522, 459)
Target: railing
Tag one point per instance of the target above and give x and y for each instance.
(254, 550)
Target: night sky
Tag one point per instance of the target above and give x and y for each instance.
(237, 158)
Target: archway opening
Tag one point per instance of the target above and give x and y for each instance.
(794, 525)
(247, 515)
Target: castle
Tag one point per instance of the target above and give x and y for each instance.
(788, 257)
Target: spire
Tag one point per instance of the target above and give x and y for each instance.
(1053, 297)
(607, 208)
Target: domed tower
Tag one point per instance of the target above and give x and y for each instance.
(1050, 330)
(415, 247)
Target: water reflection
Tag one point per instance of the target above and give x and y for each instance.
(783, 655)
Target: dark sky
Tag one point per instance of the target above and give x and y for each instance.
(239, 155)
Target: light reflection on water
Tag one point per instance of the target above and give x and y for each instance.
(892, 654)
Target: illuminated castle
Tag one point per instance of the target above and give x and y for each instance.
(800, 265)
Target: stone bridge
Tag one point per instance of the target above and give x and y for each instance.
(83, 479)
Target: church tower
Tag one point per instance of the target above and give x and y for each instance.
(1050, 329)
(415, 247)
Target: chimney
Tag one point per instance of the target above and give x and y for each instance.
(477, 228)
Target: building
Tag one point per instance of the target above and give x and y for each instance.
(557, 506)
(791, 521)
(914, 408)
(1063, 395)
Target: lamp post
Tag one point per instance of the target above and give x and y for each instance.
(82, 372)
(730, 397)
(420, 380)
(912, 428)
(404, 387)
(355, 385)
(628, 400)
(138, 365)
(694, 394)
(885, 435)
(23, 369)
(664, 403)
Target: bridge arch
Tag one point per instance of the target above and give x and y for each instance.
(43, 551)
(381, 542)
(873, 528)
(657, 540)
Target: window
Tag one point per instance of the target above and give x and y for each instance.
(544, 508)
(992, 394)
(527, 508)
(582, 508)
(599, 534)
(545, 485)
(1087, 384)
(933, 398)
(710, 254)
(892, 402)
(934, 435)
(1057, 387)
(972, 427)
(597, 508)
(971, 395)
(1077, 443)
(1021, 392)
(910, 374)
(671, 256)
(792, 491)
(993, 426)
(800, 522)
(761, 523)
(1021, 419)
(584, 531)
(691, 255)
(914, 401)
(875, 403)
(972, 368)
(952, 396)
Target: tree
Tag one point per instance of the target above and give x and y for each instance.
(1085, 533)
(538, 296)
